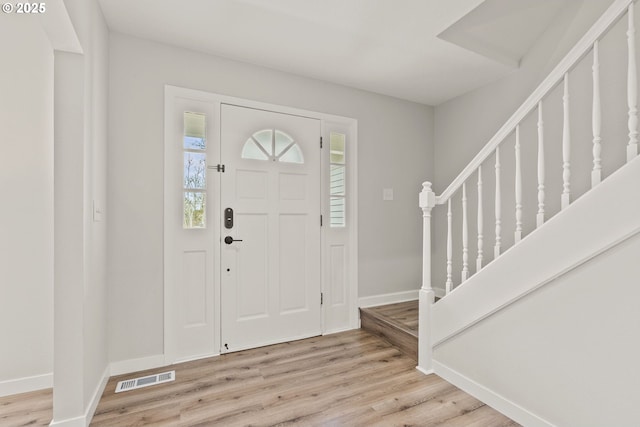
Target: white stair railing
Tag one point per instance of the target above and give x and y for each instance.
(428, 200)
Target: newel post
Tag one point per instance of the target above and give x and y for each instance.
(427, 295)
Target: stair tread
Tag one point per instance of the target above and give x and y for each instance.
(391, 322)
(396, 323)
(403, 315)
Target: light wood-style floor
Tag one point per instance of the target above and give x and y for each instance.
(27, 409)
(347, 379)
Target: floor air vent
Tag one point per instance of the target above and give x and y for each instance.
(135, 383)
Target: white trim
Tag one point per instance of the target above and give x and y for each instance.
(490, 397)
(97, 394)
(352, 187)
(69, 422)
(196, 357)
(135, 365)
(172, 92)
(169, 317)
(266, 343)
(391, 298)
(241, 102)
(85, 419)
(611, 15)
(338, 330)
(425, 371)
(26, 384)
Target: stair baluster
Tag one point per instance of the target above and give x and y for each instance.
(465, 235)
(596, 173)
(632, 87)
(480, 222)
(518, 232)
(541, 168)
(449, 284)
(566, 147)
(498, 208)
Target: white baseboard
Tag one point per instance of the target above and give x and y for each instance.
(338, 330)
(491, 398)
(440, 293)
(85, 420)
(97, 394)
(425, 371)
(25, 385)
(200, 357)
(135, 365)
(70, 422)
(391, 298)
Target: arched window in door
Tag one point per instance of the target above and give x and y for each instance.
(274, 145)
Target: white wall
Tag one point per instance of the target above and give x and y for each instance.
(465, 124)
(81, 87)
(96, 299)
(395, 150)
(567, 353)
(26, 188)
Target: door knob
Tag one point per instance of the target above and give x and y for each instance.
(229, 240)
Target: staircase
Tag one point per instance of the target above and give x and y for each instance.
(542, 325)
(395, 323)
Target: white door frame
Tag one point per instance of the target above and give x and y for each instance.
(344, 311)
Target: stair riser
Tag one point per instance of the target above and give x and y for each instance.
(405, 342)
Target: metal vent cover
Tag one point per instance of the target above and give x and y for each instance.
(135, 383)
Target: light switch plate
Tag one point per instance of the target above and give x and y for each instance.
(97, 211)
(387, 194)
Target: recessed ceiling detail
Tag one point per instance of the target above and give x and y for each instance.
(503, 30)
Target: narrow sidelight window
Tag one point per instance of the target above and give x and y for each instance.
(194, 185)
(337, 181)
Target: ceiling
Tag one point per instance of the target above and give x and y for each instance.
(427, 51)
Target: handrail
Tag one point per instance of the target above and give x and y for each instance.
(601, 26)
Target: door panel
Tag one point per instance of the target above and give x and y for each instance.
(292, 236)
(252, 260)
(270, 288)
(194, 286)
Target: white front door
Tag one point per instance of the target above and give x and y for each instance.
(270, 238)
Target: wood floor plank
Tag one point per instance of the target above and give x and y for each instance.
(347, 379)
(27, 409)
(166, 415)
(433, 410)
(482, 416)
(390, 399)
